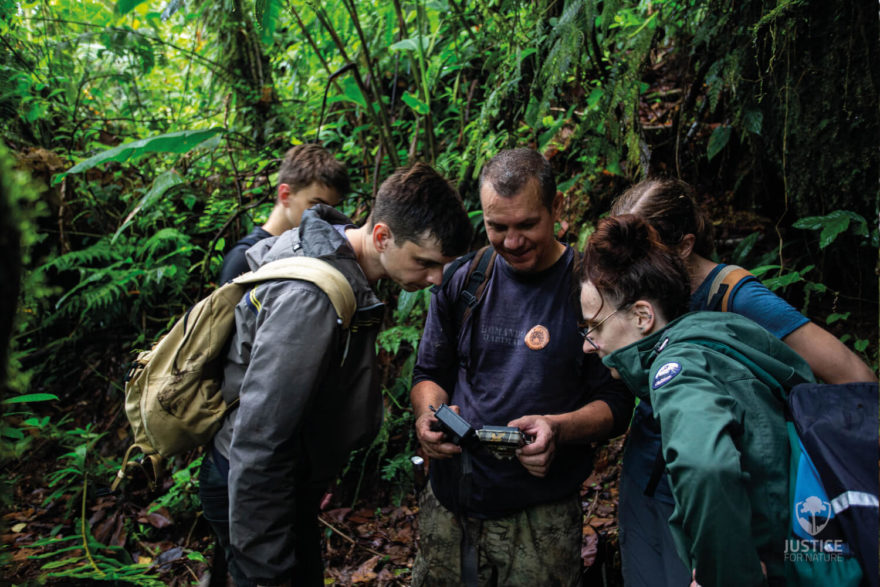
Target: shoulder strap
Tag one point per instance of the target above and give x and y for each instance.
(723, 285)
(475, 282)
(321, 273)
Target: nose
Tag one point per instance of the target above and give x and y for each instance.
(513, 240)
(435, 276)
(589, 347)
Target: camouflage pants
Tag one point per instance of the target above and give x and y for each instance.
(540, 545)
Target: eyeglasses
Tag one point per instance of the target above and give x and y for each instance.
(585, 332)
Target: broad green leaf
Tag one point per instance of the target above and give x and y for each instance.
(834, 317)
(418, 105)
(809, 223)
(717, 141)
(352, 93)
(832, 228)
(782, 281)
(173, 142)
(407, 300)
(759, 271)
(404, 45)
(13, 433)
(410, 44)
(160, 185)
(744, 248)
(31, 397)
(833, 224)
(594, 97)
(125, 6)
(753, 120)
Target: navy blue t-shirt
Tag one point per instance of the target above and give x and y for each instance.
(234, 262)
(494, 376)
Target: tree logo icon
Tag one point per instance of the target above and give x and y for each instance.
(813, 514)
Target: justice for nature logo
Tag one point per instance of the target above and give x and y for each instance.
(813, 514)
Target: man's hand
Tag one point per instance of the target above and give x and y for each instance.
(537, 456)
(433, 442)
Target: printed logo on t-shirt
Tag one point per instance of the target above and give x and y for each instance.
(537, 338)
(665, 374)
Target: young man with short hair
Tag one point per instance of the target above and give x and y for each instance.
(307, 389)
(309, 175)
(514, 361)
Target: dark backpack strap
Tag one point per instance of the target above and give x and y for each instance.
(481, 263)
(475, 283)
(452, 268)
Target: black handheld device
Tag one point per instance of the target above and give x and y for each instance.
(501, 441)
(456, 428)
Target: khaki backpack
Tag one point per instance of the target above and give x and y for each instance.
(172, 392)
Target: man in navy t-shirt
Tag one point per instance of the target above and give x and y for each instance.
(516, 360)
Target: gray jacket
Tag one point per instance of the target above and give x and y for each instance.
(308, 392)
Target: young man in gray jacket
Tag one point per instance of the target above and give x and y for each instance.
(308, 391)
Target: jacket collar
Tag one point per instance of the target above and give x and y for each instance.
(633, 361)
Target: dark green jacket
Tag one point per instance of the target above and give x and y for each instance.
(724, 440)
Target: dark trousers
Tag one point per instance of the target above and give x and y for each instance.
(214, 493)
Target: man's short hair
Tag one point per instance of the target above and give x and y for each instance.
(309, 163)
(510, 171)
(417, 202)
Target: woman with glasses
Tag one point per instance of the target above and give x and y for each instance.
(723, 431)
(646, 499)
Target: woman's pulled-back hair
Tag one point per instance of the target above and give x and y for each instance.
(626, 262)
(671, 208)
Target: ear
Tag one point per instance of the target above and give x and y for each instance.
(645, 316)
(382, 236)
(686, 246)
(284, 193)
(557, 206)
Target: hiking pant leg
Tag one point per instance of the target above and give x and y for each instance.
(438, 559)
(648, 554)
(309, 569)
(214, 493)
(540, 545)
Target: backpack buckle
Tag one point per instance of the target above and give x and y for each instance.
(132, 367)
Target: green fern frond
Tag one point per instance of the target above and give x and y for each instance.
(102, 251)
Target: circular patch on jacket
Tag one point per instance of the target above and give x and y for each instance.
(665, 374)
(537, 338)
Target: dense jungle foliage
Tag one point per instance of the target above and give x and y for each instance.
(140, 139)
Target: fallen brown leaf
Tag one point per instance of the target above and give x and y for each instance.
(365, 573)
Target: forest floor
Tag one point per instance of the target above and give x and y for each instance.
(372, 542)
